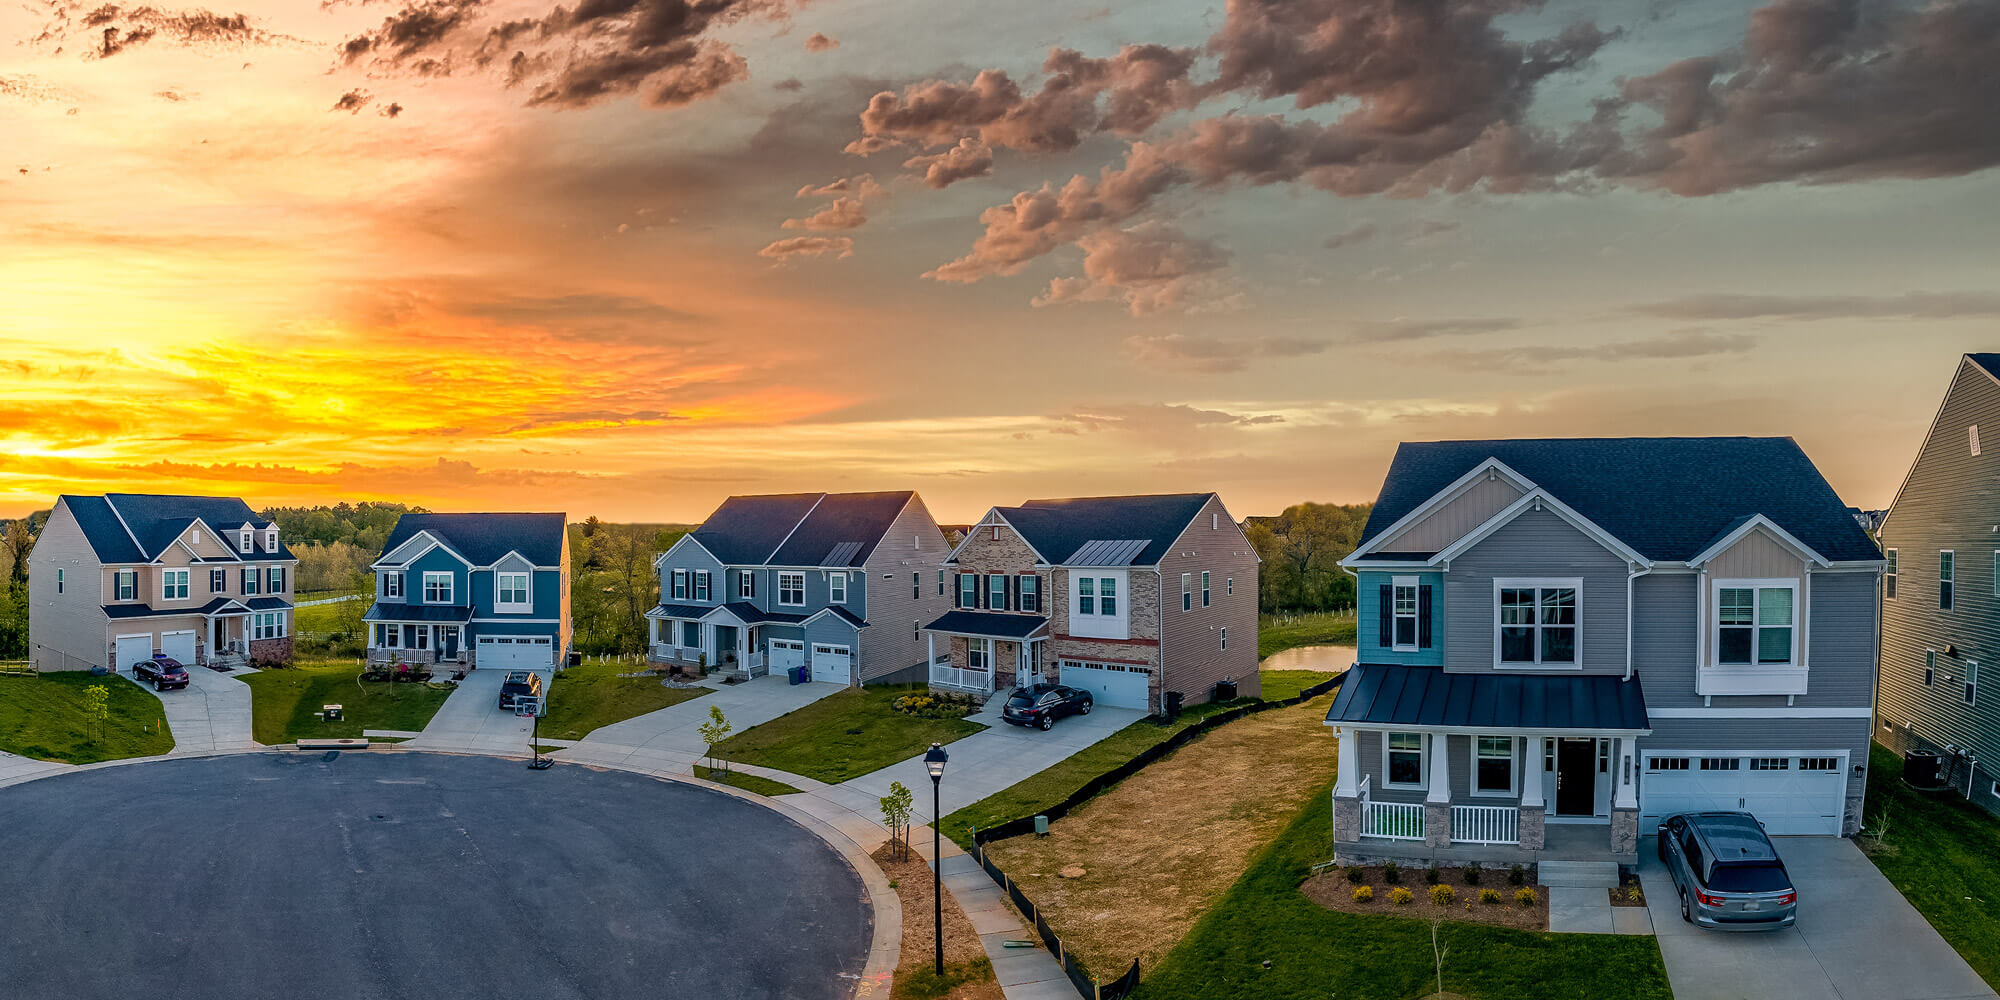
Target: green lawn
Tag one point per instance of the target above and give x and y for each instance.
(816, 741)
(1316, 953)
(591, 695)
(322, 617)
(42, 717)
(1282, 684)
(282, 702)
(748, 782)
(1315, 628)
(1943, 853)
(1052, 785)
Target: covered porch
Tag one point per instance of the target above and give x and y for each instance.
(729, 637)
(418, 633)
(979, 652)
(1440, 767)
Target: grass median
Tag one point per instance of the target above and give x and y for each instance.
(592, 695)
(844, 735)
(283, 702)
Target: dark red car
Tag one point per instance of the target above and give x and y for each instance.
(163, 671)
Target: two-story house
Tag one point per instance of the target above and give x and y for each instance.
(115, 579)
(837, 582)
(1941, 592)
(473, 590)
(1128, 598)
(1563, 641)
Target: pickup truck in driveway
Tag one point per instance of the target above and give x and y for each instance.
(162, 672)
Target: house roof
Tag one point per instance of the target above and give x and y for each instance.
(486, 538)
(690, 611)
(1990, 362)
(841, 613)
(1389, 694)
(393, 611)
(988, 623)
(800, 529)
(750, 614)
(155, 520)
(216, 605)
(1105, 527)
(1667, 498)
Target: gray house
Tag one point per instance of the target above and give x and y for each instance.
(1563, 641)
(1941, 596)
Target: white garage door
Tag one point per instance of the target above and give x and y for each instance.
(786, 654)
(133, 649)
(830, 663)
(1114, 685)
(1789, 794)
(515, 652)
(179, 645)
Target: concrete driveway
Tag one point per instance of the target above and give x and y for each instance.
(1856, 938)
(471, 718)
(672, 735)
(212, 713)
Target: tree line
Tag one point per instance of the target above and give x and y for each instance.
(17, 539)
(1301, 550)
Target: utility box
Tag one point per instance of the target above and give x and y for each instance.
(1041, 826)
(330, 713)
(1923, 768)
(1225, 690)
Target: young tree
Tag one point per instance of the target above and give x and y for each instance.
(97, 708)
(896, 809)
(714, 731)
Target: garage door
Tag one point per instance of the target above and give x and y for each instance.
(1115, 685)
(509, 652)
(132, 649)
(786, 654)
(1802, 794)
(179, 645)
(829, 663)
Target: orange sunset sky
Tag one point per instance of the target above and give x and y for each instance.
(625, 257)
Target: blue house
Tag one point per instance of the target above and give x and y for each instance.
(477, 590)
(840, 582)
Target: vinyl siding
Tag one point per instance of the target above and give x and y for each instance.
(691, 557)
(437, 561)
(1190, 644)
(1452, 521)
(1535, 544)
(887, 645)
(1369, 603)
(1840, 638)
(65, 631)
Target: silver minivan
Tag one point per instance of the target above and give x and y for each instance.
(1728, 875)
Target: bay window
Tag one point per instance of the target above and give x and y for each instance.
(1403, 760)
(1755, 622)
(1537, 622)
(1086, 595)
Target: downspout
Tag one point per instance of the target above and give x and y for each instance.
(1629, 577)
(1160, 628)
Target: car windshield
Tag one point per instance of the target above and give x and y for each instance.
(1749, 878)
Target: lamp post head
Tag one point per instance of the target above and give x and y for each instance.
(934, 760)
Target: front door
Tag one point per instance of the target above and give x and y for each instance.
(448, 641)
(725, 645)
(1576, 777)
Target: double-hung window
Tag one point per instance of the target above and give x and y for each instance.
(836, 588)
(1947, 578)
(1403, 760)
(791, 589)
(1086, 595)
(174, 584)
(977, 656)
(250, 578)
(1187, 591)
(1930, 667)
(1971, 683)
(996, 591)
(1204, 588)
(437, 588)
(746, 584)
(968, 590)
(1493, 765)
(1756, 622)
(218, 581)
(1030, 589)
(940, 583)
(1403, 606)
(917, 586)
(511, 592)
(392, 585)
(1537, 622)
(1107, 596)
(701, 585)
(128, 584)
(277, 579)
(680, 585)
(1889, 573)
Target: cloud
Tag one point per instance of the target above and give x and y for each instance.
(1911, 305)
(1151, 267)
(847, 209)
(1360, 232)
(390, 110)
(1157, 419)
(1036, 222)
(1547, 358)
(970, 158)
(809, 246)
(1407, 329)
(821, 43)
(1215, 355)
(1423, 229)
(352, 102)
(114, 28)
(790, 85)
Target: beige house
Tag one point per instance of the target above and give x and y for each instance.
(115, 579)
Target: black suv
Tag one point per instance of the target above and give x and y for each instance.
(163, 671)
(520, 682)
(1728, 875)
(1042, 704)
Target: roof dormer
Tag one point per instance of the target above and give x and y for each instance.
(245, 539)
(271, 538)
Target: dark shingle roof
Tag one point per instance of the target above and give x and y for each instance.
(394, 611)
(1058, 528)
(841, 613)
(1385, 694)
(744, 531)
(988, 623)
(1666, 497)
(1990, 362)
(750, 614)
(155, 521)
(853, 522)
(485, 538)
(101, 529)
(213, 606)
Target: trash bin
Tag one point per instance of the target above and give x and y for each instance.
(1173, 705)
(797, 674)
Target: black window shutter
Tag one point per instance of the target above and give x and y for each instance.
(958, 590)
(1424, 616)
(1384, 634)
(1013, 591)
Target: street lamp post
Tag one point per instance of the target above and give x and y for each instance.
(934, 760)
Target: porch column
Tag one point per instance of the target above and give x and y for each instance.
(1534, 807)
(1625, 798)
(1347, 787)
(1437, 804)
(930, 655)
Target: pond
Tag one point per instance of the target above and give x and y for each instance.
(1326, 659)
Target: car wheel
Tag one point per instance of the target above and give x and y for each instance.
(159, 685)
(1686, 913)
(1048, 722)
(1085, 710)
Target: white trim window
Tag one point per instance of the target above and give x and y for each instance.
(392, 585)
(1229, 585)
(1187, 591)
(277, 580)
(1756, 623)
(438, 588)
(1889, 573)
(680, 590)
(968, 590)
(1930, 667)
(218, 581)
(1493, 770)
(836, 588)
(243, 540)
(1403, 612)
(1204, 588)
(250, 579)
(996, 591)
(1030, 590)
(1971, 693)
(978, 654)
(1222, 633)
(701, 585)
(388, 636)
(174, 585)
(1403, 760)
(746, 584)
(792, 589)
(1947, 578)
(126, 582)
(513, 593)
(1538, 623)
(271, 540)
(268, 625)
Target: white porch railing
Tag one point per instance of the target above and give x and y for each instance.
(1485, 825)
(945, 675)
(1390, 820)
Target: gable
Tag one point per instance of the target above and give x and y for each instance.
(982, 552)
(1535, 542)
(416, 547)
(1448, 523)
(513, 562)
(1947, 484)
(1754, 556)
(688, 553)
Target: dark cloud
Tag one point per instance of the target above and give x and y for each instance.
(1215, 355)
(390, 110)
(970, 158)
(809, 246)
(821, 43)
(1360, 232)
(1913, 305)
(790, 84)
(1036, 222)
(1151, 267)
(114, 28)
(352, 102)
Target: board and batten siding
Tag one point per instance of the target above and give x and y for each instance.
(66, 631)
(1538, 543)
(1950, 501)
(1191, 645)
(1454, 519)
(912, 544)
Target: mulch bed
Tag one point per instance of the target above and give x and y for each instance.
(1629, 892)
(1333, 891)
(913, 889)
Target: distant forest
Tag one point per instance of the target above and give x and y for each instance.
(1302, 549)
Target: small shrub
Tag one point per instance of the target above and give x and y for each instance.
(1391, 873)
(1526, 896)
(936, 705)
(1635, 894)
(1364, 894)
(1516, 875)
(1489, 896)
(1430, 876)
(1471, 874)
(1354, 874)
(1443, 895)
(1400, 896)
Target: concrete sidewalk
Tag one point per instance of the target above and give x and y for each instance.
(15, 767)
(471, 718)
(212, 713)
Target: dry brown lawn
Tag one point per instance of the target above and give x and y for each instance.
(1163, 845)
(963, 954)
